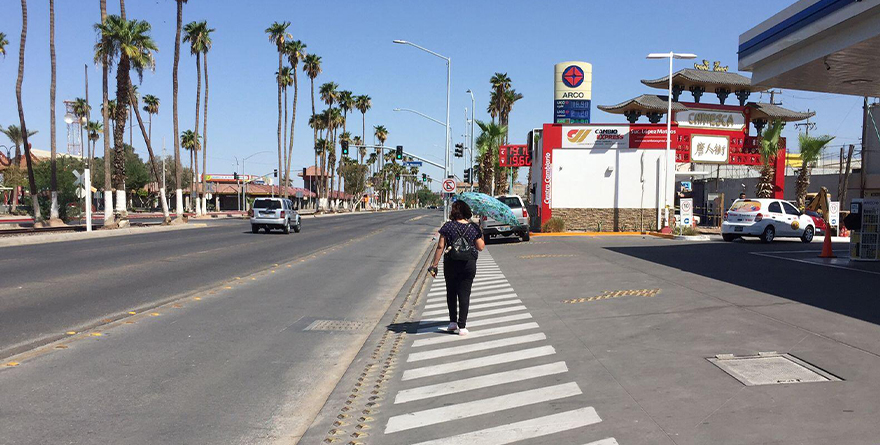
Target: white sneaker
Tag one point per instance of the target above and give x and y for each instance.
(453, 327)
(461, 331)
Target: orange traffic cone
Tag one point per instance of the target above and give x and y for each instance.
(826, 246)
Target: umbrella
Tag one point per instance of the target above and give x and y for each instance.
(483, 204)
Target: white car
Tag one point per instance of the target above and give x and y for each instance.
(274, 213)
(766, 219)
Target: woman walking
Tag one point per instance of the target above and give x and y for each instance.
(460, 242)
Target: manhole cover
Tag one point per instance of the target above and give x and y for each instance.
(770, 368)
(335, 325)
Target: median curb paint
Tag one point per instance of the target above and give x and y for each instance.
(62, 237)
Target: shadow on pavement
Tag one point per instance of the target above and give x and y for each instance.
(415, 326)
(505, 240)
(770, 269)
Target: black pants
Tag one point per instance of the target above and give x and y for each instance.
(459, 277)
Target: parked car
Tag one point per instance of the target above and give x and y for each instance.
(274, 213)
(818, 221)
(492, 228)
(766, 219)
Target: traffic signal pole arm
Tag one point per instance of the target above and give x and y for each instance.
(382, 147)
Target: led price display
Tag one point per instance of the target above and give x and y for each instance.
(514, 156)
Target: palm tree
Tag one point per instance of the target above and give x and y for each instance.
(346, 104)
(53, 180)
(189, 141)
(178, 177)
(151, 106)
(285, 79)
(81, 110)
(153, 166)
(312, 67)
(131, 42)
(3, 43)
(381, 134)
(278, 36)
(27, 148)
(769, 148)
(194, 33)
(132, 103)
(94, 130)
(811, 149)
(363, 103)
(488, 142)
(109, 218)
(328, 92)
(295, 51)
(207, 44)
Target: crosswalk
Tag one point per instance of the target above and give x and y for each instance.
(505, 357)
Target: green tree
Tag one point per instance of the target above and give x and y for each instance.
(189, 141)
(363, 103)
(487, 143)
(769, 148)
(3, 42)
(197, 34)
(207, 44)
(811, 149)
(109, 217)
(178, 168)
(312, 67)
(131, 42)
(151, 106)
(285, 79)
(24, 132)
(13, 132)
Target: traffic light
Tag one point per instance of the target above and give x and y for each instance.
(275, 173)
(459, 150)
(235, 176)
(399, 152)
(424, 177)
(467, 175)
(344, 148)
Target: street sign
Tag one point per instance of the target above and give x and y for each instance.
(687, 211)
(687, 186)
(79, 178)
(834, 213)
(208, 196)
(412, 164)
(80, 192)
(449, 185)
(299, 194)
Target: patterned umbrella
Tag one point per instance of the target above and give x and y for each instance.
(485, 205)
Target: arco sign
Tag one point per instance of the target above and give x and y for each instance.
(573, 83)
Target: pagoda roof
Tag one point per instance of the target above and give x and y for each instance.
(708, 79)
(645, 103)
(773, 112)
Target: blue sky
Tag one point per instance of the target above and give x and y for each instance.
(354, 39)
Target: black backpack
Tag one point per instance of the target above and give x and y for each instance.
(461, 249)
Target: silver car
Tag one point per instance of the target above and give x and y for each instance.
(492, 228)
(274, 213)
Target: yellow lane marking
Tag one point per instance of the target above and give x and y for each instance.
(154, 314)
(648, 293)
(70, 332)
(11, 364)
(197, 298)
(132, 313)
(96, 334)
(228, 287)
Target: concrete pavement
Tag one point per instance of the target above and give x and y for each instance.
(606, 340)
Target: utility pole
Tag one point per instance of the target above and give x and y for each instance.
(806, 125)
(773, 95)
(163, 166)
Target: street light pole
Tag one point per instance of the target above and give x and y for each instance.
(448, 87)
(471, 166)
(666, 169)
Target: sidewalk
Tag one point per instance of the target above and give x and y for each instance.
(607, 341)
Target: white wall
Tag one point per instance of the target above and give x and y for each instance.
(581, 178)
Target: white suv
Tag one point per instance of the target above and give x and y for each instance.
(492, 228)
(766, 219)
(274, 213)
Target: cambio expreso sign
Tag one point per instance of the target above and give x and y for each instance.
(595, 136)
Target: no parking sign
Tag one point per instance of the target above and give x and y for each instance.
(834, 213)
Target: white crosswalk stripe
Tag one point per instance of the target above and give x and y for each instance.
(523, 360)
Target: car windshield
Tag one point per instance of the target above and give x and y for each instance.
(270, 204)
(512, 201)
(745, 205)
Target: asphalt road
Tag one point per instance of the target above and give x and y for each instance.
(226, 360)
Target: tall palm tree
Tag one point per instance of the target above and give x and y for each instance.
(207, 44)
(81, 110)
(769, 148)
(189, 140)
(811, 149)
(488, 143)
(329, 93)
(53, 179)
(131, 42)
(24, 133)
(153, 166)
(151, 106)
(109, 217)
(178, 177)
(134, 97)
(3, 42)
(312, 67)
(194, 33)
(295, 50)
(381, 134)
(13, 132)
(285, 79)
(278, 36)
(363, 103)
(94, 130)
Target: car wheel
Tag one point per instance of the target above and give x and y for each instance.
(768, 235)
(286, 227)
(297, 227)
(267, 229)
(808, 234)
(525, 236)
(255, 228)
(728, 237)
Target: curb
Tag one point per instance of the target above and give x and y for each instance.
(62, 237)
(693, 238)
(559, 234)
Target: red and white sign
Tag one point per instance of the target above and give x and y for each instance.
(449, 185)
(595, 136)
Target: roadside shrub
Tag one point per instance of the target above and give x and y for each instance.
(553, 225)
(689, 231)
